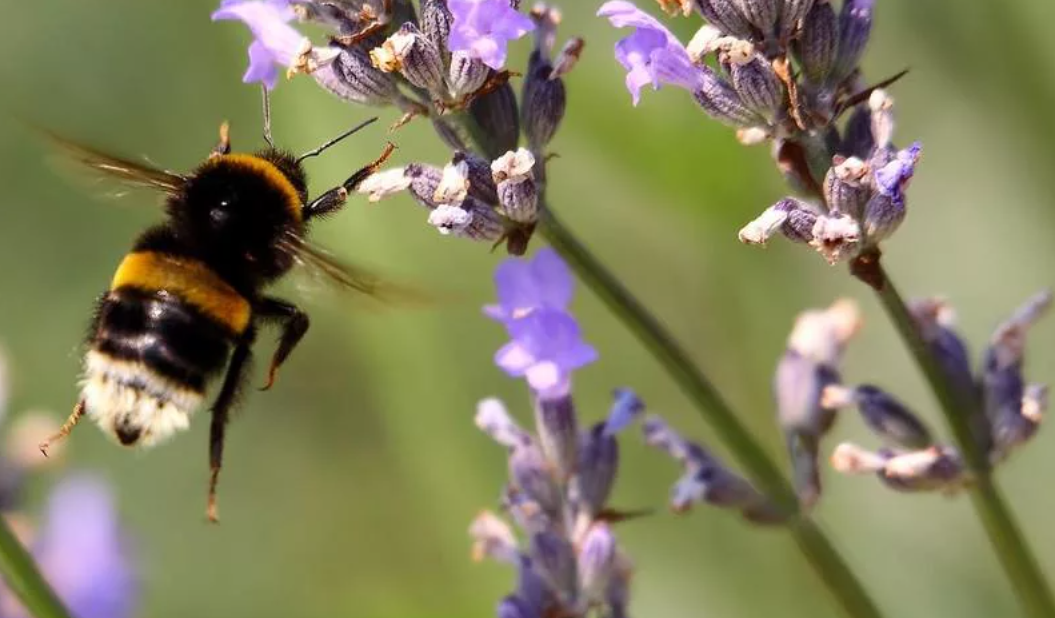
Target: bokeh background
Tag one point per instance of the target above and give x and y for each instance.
(349, 487)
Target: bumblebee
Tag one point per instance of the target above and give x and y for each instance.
(185, 305)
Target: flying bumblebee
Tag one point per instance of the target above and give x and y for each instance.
(185, 305)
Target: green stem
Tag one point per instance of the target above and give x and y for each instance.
(830, 567)
(1019, 563)
(22, 577)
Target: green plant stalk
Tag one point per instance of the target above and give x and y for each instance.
(21, 576)
(830, 567)
(1022, 568)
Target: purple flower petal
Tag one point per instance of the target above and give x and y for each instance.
(83, 552)
(524, 286)
(892, 178)
(483, 28)
(546, 347)
(652, 54)
(275, 41)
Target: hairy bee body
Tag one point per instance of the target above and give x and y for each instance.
(184, 295)
(184, 305)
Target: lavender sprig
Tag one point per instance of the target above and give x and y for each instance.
(853, 177)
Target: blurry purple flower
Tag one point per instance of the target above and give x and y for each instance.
(890, 180)
(83, 554)
(651, 54)
(546, 347)
(526, 285)
(274, 40)
(482, 28)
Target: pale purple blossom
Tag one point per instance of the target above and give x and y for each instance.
(275, 42)
(892, 178)
(543, 282)
(652, 54)
(546, 347)
(483, 28)
(83, 552)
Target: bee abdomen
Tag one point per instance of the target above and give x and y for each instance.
(151, 358)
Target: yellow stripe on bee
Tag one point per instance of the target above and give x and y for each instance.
(189, 280)
(269, 171)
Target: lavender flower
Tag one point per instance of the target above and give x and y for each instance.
(483, 28)
(706, 479)
(275, 42)
(1006, 412)
(83, 553)
(652, 54)
(569, 559)
(524, 286)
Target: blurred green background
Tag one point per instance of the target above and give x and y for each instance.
(348, 488)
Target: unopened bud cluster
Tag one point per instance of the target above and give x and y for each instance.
(470, 197)
(861, 200)
(566, 556)
(1005, 412)
(443, 60)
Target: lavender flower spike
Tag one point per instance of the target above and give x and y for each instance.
(651, 54)
(526, 285)
(275, 42)
(482, 28)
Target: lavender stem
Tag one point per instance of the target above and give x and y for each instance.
(1021, 566)
(23, 579)
(826, 561)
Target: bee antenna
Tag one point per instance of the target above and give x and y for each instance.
(324, 146)
(267, 116)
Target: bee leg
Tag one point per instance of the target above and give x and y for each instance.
(221, 409)
(335, 198)
(224, 145)
(67, 427)
(294, 324)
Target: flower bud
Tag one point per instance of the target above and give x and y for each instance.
(721, 101)
(472, 219)
(791, 16)
(544, 100)
(762, 14)
(517, 190)
(496, 114)
(554, 558)
(818, 40)
(478, 171)
(757, 84)
(557, 426)
(385, 183)
(493, 419)
(454, 184)
(837, 238)
(857, 139)
(423, 181)
(726, 16)
(466, 75)
(596, 562)
(846, 187)
(881, 105)
(855, 27)
(436, 20)
(791, 217)
(353, 77)
(716, 485)
(493, 538)
(938, 468)
(531, 473)
(884, 414)
(414, 56)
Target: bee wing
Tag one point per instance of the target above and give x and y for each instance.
(122, 170)
(350, 277)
